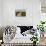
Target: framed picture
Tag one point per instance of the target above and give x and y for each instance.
(20, 13)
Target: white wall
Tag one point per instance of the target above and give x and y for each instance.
(0, 12)
(32, 8)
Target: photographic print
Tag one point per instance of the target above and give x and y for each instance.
(20, 13)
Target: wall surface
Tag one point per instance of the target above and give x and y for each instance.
(0, 11)
(9, 7)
